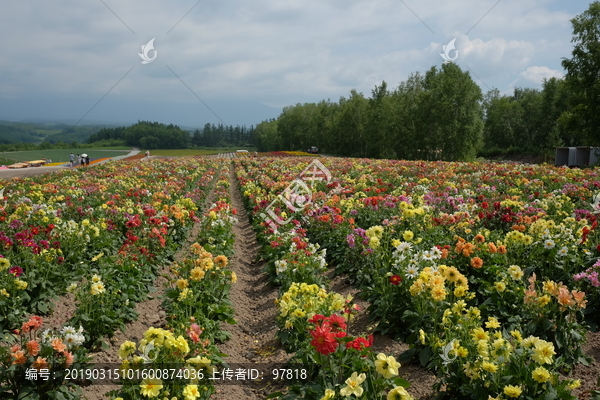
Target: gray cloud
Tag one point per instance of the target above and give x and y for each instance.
(270, 52)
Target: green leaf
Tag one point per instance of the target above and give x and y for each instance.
(401, 382)
(274, 395)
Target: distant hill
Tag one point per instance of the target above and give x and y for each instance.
(36, 133)
(24, 133)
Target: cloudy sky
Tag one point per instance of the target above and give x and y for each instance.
(240, 62)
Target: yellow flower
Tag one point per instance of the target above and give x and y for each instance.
(374, 242)
(422, 336)
(127, 348)
(543, 300)
(97, 288)
(233, 277)
(540, 374)
(489, 366)
(4, 263)
(197, 274)
(151, 387)
(438, 293)
(329, 394)
(191, 392)
(515, 272)
(184, 294)
(408, 236)
(353, 385)
(512, 391)
(182, 283)
(399, 393)
(543, 352)
(462, 352)
(460, 291)
(386, 366)
(492, 323)
(517, 335)
(574, 384)
(479, 334)
(500, 286)
(471, 371)
(21, 285)
(4, 293)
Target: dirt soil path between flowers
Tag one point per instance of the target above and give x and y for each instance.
(253, 338)
(150, 314)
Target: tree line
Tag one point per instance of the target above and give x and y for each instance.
(443, 114)
(155, 135)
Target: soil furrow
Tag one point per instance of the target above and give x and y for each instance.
(253, 338)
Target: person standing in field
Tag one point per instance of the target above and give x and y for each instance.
(87, 161)
(72, 159)
(78, 159)
(147, 153)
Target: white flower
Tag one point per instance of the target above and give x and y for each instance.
(280, 266)
(436, 253)
(563, 251)
(68, 330)
(549, 244)
(412, 272)
(426, 255)
(403, 246)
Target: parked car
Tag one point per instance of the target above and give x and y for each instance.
(313, 150)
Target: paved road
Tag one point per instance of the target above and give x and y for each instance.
(32, 171)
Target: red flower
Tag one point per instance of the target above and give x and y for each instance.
(395, 279)
(317, 319)
(336, 324)
(360, 343)
(324, 341)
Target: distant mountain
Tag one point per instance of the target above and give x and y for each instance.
(19, 133)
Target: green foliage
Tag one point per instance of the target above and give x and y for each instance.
(436, 116)
(583, 77)
(155, 135)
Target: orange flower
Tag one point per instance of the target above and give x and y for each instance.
(58, 345)
(579, 298)
(492, 247)
(19, 357)
(520, 228)
(502, 249)
(68, 359)
(565, 298)
(221, 261)
(468, 249)
(40, 363)
(459, 246)
(444, 254)
(476, 262)
(33, 348)
(530, 295)
(324, 218)
(479, 238)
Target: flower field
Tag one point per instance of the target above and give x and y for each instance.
(488, 272)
